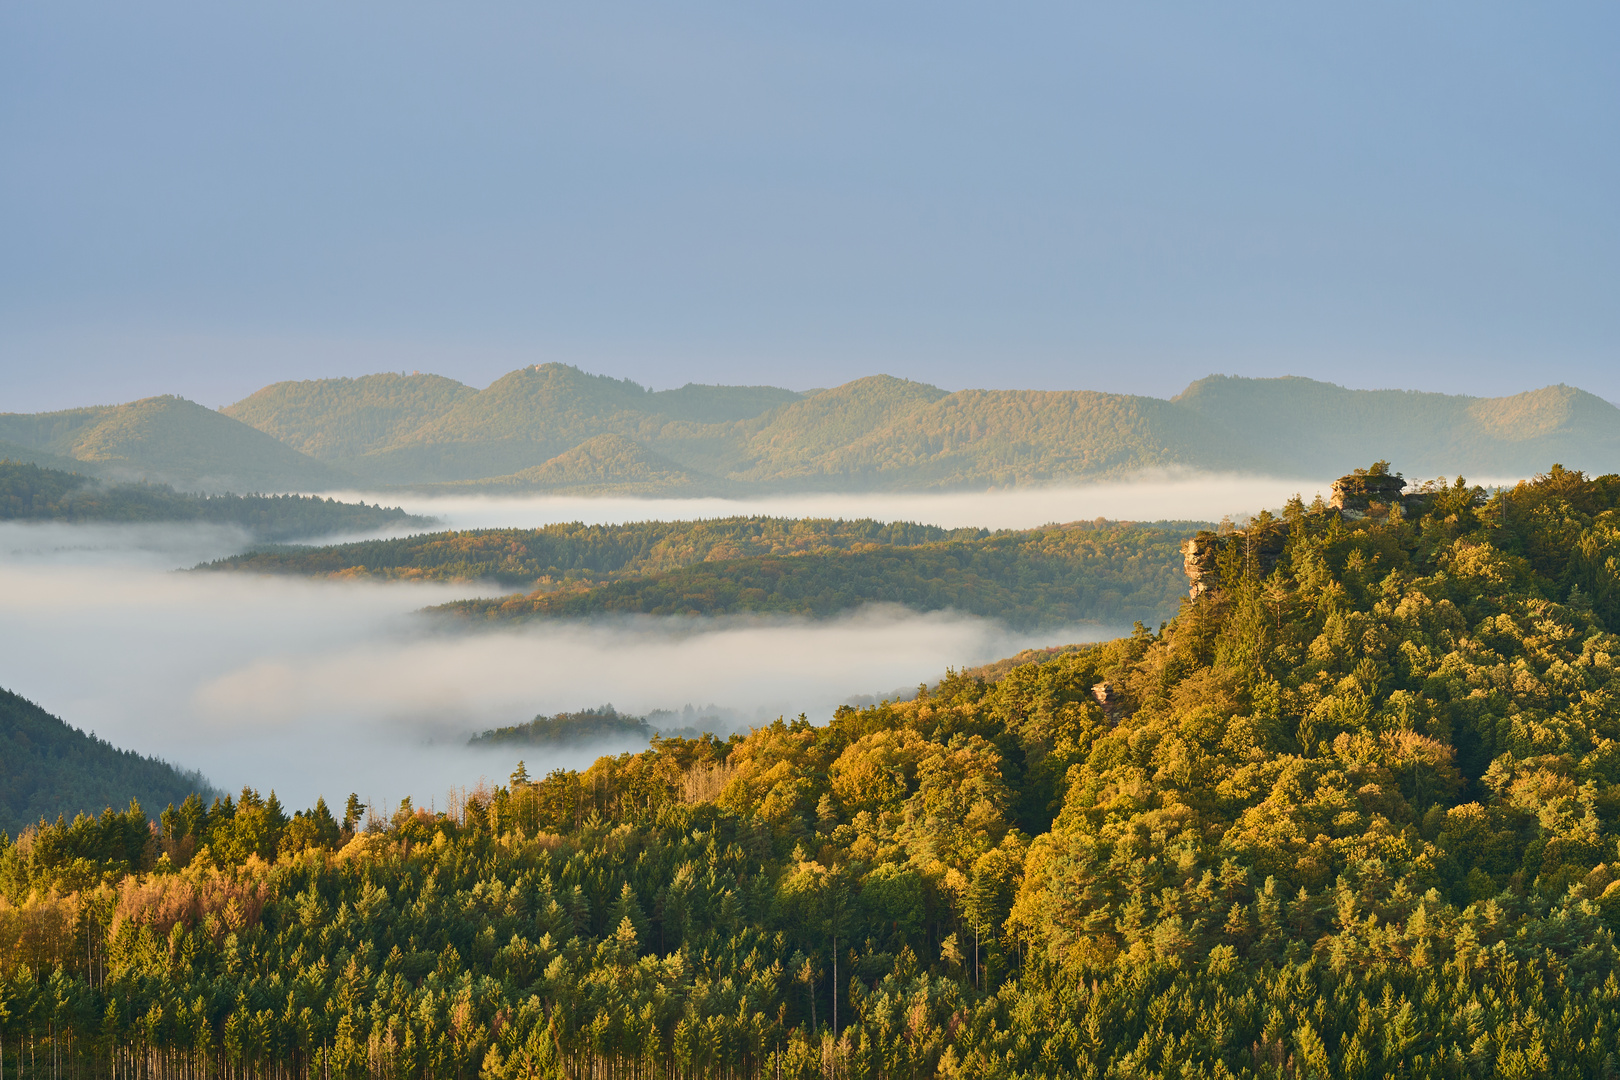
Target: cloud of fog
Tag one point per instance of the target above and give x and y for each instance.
(1149, 497)
(155, 546)
(316, 687)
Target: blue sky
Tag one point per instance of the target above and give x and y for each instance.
(202, 198)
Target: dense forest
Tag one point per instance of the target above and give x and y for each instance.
(1111, 574)
(1350, 814)
(49, 769)
(31, 493)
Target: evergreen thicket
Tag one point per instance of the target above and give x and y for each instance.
(1355, 816)
(49, 769)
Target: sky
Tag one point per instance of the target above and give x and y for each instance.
(202, 198)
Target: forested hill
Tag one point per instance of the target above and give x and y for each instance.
(48, 768)
(164, 440)
(575, 554)
(554, 428)
(1112, 576)
(31, 493)
(1353, 813)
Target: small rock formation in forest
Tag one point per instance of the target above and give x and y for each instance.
(1372, 492)
(1108, 698)
(1261, 546)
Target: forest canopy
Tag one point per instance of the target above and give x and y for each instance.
(1353, 813)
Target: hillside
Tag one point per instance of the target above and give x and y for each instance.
(600, 464)
(1353, 813)
(48, 768)
(424, 429)
(1040, 578)
(31, 493)
(1001, 437)
(1322, 426)
(340, 420)
(168, 440)
(554, 428)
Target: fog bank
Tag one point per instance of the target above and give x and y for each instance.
(1151, 497)
(316, 687)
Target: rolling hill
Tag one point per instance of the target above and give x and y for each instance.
(1058, 576)
(552, 427)
(576, 554)
(606, 463)
(419, 429)
(166, 440)
(542, 428)
(1320, 426)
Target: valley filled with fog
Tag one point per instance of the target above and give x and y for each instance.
(315, 687)
(1163, 496)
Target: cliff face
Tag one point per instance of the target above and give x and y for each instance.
(1257, 548)
(1200, 556)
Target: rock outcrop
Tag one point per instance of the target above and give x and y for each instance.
(1375, 492)
(1366, 493)
(1259, 548)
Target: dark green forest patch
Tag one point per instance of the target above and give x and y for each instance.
(48, 768)
(31, 493)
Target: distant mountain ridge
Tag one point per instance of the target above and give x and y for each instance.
(166, 440)
(526, 430)
(30, 492)
(554, 428)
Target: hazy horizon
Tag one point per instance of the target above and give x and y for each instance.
(90, 400)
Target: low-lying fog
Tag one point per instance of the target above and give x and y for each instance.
(325, 688)
(317, 687)
(1180, 497)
